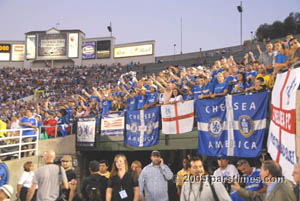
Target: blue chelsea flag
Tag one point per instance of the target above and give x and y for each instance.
(142, 127)
(232, 125)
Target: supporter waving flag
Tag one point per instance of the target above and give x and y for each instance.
(232, 125)
(142, 127)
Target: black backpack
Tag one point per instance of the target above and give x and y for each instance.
(93, 190)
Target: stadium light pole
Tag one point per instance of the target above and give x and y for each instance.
(240, 9)
(174, 51)
(181, 35)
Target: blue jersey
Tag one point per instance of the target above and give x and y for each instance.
(141, 101)
(152, 98)
(196, 91)
(220, 88)
(280, 58)
(106, 106)
(132, 104)
(207, 89)
(4, 174)
(252, 183)
(32, 121)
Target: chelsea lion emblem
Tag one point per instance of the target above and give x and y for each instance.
(215, 126)
(133, 127)
(149, 127)
(246, 125)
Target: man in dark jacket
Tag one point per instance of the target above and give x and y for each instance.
(94, 186)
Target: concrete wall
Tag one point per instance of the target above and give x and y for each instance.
(61, 146)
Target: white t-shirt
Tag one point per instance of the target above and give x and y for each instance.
(26, 179)
(176, 99)
(230, 171)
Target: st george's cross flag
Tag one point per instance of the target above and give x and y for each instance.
(282, 133)
(142, 127)
(177, 118)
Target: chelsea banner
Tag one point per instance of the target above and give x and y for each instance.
(232, 125)
(142, 127)
(86, 130)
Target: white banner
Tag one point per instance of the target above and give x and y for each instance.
(177, 118)
(282, 132)
(112, 125)
(30, 47)
(86, 129)
(73, 45)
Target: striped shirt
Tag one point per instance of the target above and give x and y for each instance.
(154, 182)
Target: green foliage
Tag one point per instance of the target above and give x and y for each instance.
(291, 25)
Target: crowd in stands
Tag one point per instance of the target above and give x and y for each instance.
(76, 92)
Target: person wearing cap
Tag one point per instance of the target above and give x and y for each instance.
(6, 192)
(95, 178)
(226, 172)
(48, 178)
(66, 163)
(154, 179)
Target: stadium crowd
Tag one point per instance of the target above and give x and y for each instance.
(73, 92)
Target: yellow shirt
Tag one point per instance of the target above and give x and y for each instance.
(2, 127)
(269, 81)
(182, 175)
(107, 174)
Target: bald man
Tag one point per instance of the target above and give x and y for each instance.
(48, 178)
(296, 175)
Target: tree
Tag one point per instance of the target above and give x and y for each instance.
(290, 25)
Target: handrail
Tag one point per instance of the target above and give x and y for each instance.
(20, 143)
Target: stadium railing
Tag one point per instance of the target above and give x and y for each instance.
(13, 146)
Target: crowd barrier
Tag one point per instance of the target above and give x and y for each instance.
(17, 145)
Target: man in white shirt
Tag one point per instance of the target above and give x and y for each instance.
(226, 172)
(201, 187)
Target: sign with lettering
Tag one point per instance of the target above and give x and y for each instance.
(282, 132)
(233, 125)
(142, 127)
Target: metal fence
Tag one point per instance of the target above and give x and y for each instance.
(16, 144)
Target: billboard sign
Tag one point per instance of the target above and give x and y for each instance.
(103, 49)
(30, 47)
(89, 50)
(133, 51)
(5, 52)
(18, 51)
(73, 45)
(52, 44)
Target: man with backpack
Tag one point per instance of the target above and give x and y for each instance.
(93, 187)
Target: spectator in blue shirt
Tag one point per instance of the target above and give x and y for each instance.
(141, 98)
(4, 173)
(221, 88)
(28, 122)
(152, 98)
(280, 48)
